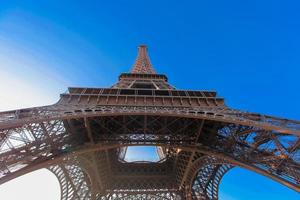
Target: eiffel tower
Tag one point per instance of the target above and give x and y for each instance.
(83, 140)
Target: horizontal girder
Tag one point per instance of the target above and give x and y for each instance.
(18, 118)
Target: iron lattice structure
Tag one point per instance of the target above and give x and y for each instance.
(83, 137)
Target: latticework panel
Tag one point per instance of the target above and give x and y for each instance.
(137, 129)
(142, 63)
(142, 195)
(269, 152)
(25, 146)
(74, 182)
(206, 183)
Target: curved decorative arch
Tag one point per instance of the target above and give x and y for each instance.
(74, 182)
(206, 172)
(204, 178)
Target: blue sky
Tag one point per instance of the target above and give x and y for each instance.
(248, 51)
(141, 153)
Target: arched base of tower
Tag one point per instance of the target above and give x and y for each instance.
(205, 177)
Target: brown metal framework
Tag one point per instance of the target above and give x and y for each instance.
(82, 137)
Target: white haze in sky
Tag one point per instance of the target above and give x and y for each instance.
(17, 90)
(33, 72)
(35, 185)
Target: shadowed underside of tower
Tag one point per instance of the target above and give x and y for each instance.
(83, 140)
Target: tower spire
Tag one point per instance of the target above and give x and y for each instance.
(142, 63)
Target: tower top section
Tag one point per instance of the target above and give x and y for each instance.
(142, 63)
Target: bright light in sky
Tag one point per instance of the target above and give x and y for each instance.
(17, 93)
(22, 86)
(27, 81)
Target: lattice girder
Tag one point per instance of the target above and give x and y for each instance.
(73, 180)
(36, 115)
(142, 195)
(142, 63)
(245, 144)
(204, 177)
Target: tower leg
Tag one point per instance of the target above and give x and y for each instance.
(206, 183)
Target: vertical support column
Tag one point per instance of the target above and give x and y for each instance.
(204, 178)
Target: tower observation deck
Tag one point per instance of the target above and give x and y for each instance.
(83, 140)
